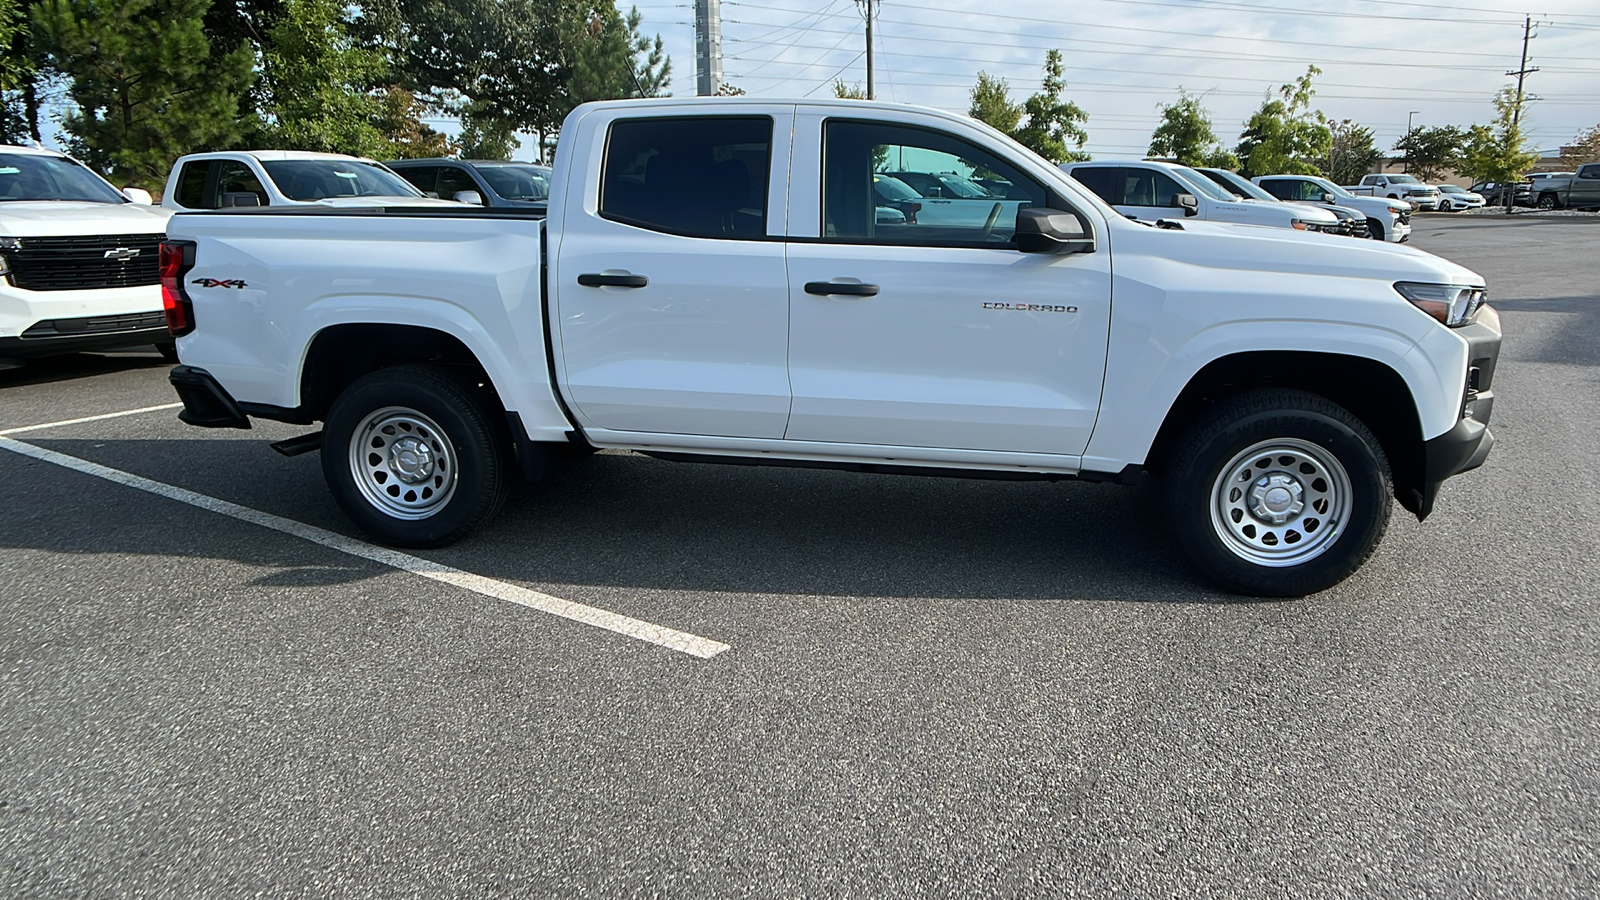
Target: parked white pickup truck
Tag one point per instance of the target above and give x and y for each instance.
(1397, 187)
(1148, 189)
(1387, 220)
(77, 259)
(713, 283)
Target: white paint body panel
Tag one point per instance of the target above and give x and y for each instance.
(724, 353)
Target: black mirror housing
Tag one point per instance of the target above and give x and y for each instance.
(1051, 231)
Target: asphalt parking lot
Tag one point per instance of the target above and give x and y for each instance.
(905, 687)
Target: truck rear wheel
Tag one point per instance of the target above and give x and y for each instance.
(417, 456)
(1279, 493)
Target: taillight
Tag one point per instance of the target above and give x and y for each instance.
(177, 258)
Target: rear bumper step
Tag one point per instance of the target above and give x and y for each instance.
(206, 403)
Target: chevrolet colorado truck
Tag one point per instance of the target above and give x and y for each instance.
(713, 283)
(77, 260)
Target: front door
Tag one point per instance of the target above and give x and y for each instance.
(670, 294)
(941, 335)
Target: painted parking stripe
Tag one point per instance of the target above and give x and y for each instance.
(661, 636)
(99, 418)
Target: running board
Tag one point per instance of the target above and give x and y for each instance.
(295, 446)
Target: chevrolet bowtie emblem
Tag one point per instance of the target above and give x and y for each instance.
(122, 253)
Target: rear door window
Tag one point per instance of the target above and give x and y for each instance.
(191, 191)
(1104, 181)
(703, 176)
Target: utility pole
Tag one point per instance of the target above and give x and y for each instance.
(1516, 110)
(1406, 166)
(871, 94)
(1522, 71)
(708, 47)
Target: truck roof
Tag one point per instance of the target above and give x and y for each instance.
(274, 155)
(34, 151)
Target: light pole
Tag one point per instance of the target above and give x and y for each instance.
(1406, 166)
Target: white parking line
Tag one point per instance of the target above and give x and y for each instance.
(681, 641)
(100, 418)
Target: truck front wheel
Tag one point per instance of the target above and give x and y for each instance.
(1279, 493)
(417, 456)
(1375, 229)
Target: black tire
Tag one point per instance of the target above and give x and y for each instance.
(460, 455)
(168, 351)
(1214, 474)
(1549, 201)
(1375, 229)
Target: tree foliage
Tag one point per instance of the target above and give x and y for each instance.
(23, 70)
(1045, 123)
(1054, 126)
(1431, 153)
(318, 88)
(148, 84)
(1285, 136)
(1352, 152)
(992, 104)
(1585, 148)
(1497, 152)
(848, 91)
(1186, 136)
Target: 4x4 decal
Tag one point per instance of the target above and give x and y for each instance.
(221, 283)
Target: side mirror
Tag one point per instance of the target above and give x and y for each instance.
(138, 195)
(472, 197)
(1328, 198)
(1188, 202)
(240, 198)
(1051, 231)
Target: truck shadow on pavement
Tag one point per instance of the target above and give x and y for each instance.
(44, 370)
(622, 520)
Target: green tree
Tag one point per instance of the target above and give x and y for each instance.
(1430, 153)
(147, 84)
(1054, 127)
(1585, 148)
(1285, 136)
(399, 120)
(22, 69)
(729, 89)
(848, 91)
(1352, 152)
(318, 88)
(992, 104)
(1185, 135)
(1497, 152)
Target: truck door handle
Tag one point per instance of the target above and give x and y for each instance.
(607, 279)
(848, 288)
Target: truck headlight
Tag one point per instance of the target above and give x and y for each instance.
(1452, 304)
(7, 243)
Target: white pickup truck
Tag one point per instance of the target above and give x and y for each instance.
(77, 259)
(1387, 220)
(713, 283)
(1398, 187)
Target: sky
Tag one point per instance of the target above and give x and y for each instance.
(1383, 61)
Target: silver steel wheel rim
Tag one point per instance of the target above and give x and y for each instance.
(1281, 502)
(403, 463)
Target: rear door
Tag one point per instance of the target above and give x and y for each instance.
(670, 293)
(1586, 187)
(942, 336)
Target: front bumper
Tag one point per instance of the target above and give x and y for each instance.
(1465, 446)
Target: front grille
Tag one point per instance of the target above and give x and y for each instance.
(81, 263)
(1405, 216)
(93, 325)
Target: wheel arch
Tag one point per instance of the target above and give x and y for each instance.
(338, 355)
(1366, 387)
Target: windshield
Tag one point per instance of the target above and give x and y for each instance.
(27, 176)
(1452, 189)
(1403, 179)
(1331, 188)
(1238, 184)
(893, 188)
(517, 182)
(320, 179)
(1202, 184)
